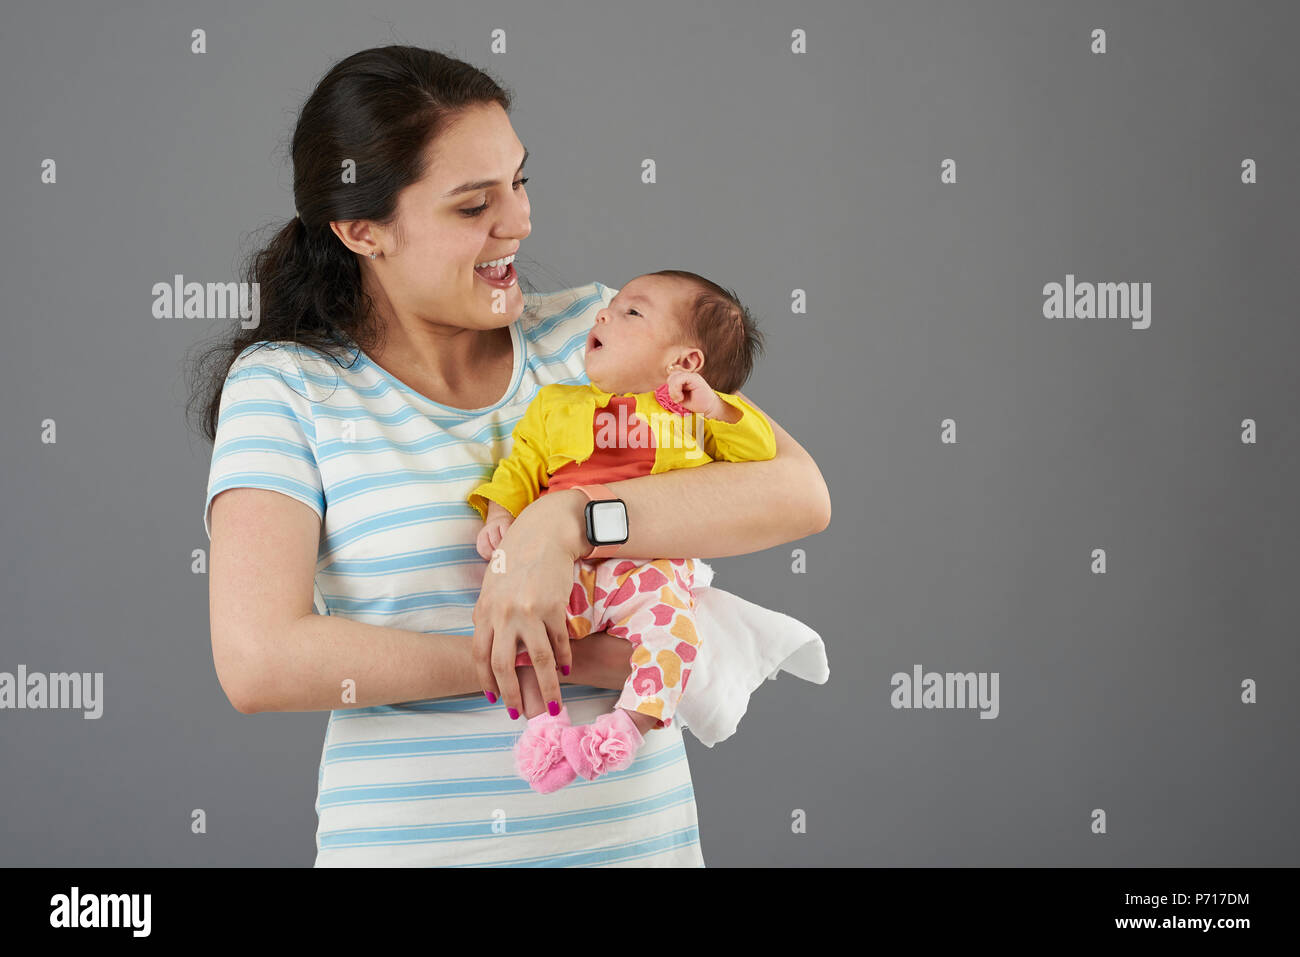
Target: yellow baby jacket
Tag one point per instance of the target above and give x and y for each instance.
(559, 427)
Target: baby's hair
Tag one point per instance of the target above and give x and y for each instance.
(724, 330)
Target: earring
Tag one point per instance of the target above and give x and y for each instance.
(373, 254)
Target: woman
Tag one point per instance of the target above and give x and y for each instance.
(380, 387)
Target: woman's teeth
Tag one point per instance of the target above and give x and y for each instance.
(496, 268)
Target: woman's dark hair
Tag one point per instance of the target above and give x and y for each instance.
(379, 108)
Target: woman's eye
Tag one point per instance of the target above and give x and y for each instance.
(477, 210)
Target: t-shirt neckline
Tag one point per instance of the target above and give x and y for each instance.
(520, 348)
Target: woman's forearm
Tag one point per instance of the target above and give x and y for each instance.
(313, 662)
(307, 666)
(272, 653)
(719, 508)
(715, 510)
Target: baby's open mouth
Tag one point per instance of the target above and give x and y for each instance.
(595, 344)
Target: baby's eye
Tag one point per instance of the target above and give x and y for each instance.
(633, 312)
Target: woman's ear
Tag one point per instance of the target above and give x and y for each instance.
(360, 236)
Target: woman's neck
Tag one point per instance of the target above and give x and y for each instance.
(462, 368)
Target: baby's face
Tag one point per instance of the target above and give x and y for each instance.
(637, 338)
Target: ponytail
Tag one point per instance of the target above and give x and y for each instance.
(310, 293)
(379, 109)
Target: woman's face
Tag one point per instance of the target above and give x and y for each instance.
(442, 232)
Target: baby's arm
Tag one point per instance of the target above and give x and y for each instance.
(516, 482)
(732, 430)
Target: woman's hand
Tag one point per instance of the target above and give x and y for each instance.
(523, 605)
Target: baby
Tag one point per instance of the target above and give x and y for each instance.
(663, 359)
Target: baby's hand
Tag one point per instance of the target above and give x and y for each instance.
(494, 529)
(690, 390)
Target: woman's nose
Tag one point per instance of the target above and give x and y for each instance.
(518, 222)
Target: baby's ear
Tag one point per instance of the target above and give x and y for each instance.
(689, 360)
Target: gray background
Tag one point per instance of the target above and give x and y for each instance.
(818, 171)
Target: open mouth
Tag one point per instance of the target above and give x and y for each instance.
(593, 343)
(499, 272)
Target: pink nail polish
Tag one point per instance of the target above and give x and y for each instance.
(491, 697)
(564, 668)
(513, 713)
(553, 707)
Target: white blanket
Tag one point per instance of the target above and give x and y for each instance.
(742, 645)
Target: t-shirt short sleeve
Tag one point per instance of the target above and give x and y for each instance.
(266, 435)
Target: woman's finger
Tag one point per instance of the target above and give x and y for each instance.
(538, 643)
(557, 627)
(504, 644)
(483, 659)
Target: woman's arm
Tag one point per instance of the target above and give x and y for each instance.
(724, 508)
(713, 510)
(709, 511)
(273, 653)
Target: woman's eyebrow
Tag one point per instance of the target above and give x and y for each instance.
(482, 184)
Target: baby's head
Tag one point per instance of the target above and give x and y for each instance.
(671, 321)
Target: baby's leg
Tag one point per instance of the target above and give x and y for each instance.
(650, 604)
(653, 608)
(643, 722)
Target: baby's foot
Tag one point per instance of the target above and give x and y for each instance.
(607, 744)
(539, 755)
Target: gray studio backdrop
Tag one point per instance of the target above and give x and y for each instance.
(823, 171)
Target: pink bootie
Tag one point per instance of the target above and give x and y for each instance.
(539, 757)
(607, 744)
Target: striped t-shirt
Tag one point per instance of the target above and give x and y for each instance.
(389, 472)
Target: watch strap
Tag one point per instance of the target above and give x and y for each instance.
(599, 493)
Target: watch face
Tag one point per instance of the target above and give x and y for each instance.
(608, 523)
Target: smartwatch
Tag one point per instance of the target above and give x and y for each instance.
(606, 516)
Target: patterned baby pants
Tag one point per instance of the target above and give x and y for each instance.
(652, 605)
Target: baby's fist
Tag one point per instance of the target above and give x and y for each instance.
(493, 530)
(689, 390)
(484, 543)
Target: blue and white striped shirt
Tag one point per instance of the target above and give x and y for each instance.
(388, 471)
